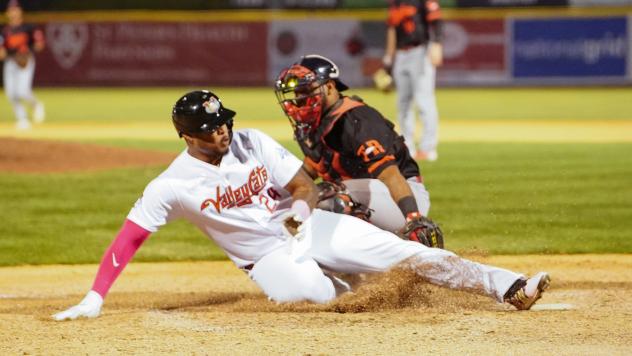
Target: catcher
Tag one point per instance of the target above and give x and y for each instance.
(365, 166)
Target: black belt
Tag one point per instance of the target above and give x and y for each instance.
(248, 267)
(409, 46)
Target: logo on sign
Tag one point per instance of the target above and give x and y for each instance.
(456, 40)
(67, 42)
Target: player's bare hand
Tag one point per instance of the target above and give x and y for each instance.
(435, 52)
(89, 307)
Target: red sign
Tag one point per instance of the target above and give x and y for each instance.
(474, 45)
(153, 53)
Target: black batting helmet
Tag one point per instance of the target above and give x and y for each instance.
(200, 111)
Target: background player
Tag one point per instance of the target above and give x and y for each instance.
(344, 139)
(252, 198)
(413, 50)
(18, 43)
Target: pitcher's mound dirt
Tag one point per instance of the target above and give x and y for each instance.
(38, 156)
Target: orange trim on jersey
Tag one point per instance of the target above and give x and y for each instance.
(377, 164)
(347, 104)
(318, 167)
(433, 16)
(335, 163)
(396, 15)
(17, 40)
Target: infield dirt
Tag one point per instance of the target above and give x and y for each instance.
(213, 308)
(39, 156)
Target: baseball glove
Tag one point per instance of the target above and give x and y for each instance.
(22, 59)
(328, 190)
(383, 80)
(334, 197)
(424, 231)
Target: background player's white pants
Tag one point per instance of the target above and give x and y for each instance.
(414, 78)
(18, 86)
(342, 243)
(386, 214)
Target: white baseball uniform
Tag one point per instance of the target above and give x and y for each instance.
(416, 23)
(414, 77)
(241, 203)
(18, 81)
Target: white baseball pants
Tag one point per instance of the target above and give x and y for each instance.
(414, 78)
(18, 86)
(342, 243)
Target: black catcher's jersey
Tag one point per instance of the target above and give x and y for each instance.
(356, 141)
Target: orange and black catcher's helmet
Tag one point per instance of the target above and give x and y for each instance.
(299, 91)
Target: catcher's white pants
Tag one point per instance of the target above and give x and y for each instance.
(385, 213)
(342, 243)
(414, 77)
(18, 86)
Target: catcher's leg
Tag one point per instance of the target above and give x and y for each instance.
(385, 214)
(286, 278)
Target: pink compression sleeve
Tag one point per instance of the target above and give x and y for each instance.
(116, 257)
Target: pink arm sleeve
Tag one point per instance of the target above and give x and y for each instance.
(116, 257)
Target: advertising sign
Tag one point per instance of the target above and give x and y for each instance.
(334, 39)
(474, 51)
(509, 3)
(579, 47)
(153, 53)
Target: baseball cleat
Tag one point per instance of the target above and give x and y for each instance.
(524, 293)
(23, 125)
(39, 114)
(430, 156)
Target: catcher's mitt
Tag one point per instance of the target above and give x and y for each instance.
(424, 231)
(383, 80)
(22, 59)
(328, 190)
(334, 197)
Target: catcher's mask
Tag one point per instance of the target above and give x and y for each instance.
(200, 111)
(299, 90)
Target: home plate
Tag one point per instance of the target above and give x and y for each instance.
(558, 306)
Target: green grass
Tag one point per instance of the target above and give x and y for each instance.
(154, 104)
(534, 198)
(494, 197)
(505, 198)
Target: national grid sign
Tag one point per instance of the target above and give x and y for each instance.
(591, 48)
